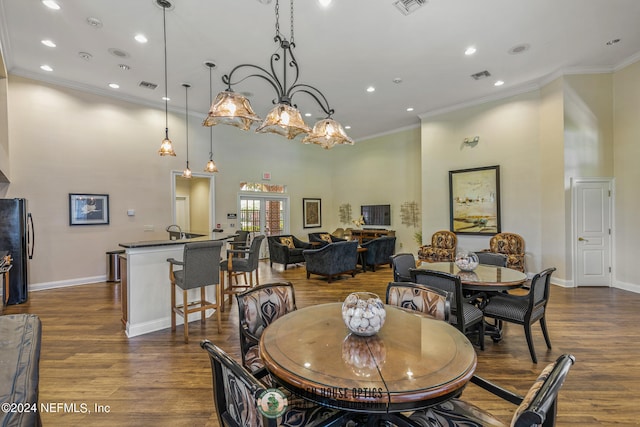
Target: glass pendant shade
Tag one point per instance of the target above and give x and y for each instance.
(233, 109)
(284, 120)
(187, 172)
(328, 133)
(166, 148)
(211, 166)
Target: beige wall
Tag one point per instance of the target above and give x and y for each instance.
(626, 113)
(64, 140)
(382, 170)
(4, 125)
(509, 137)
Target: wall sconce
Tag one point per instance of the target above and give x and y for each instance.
(471, 141)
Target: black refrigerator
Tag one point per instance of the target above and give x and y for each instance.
(16, 238)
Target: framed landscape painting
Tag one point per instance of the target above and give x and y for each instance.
(311, 213)
(88, 209)
(474, 200)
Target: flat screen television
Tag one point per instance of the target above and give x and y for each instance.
(376, 214)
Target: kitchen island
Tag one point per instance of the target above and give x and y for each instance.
(145, 285)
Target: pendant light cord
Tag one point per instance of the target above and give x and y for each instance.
(210, 102)
(166, 97)
(186, 119)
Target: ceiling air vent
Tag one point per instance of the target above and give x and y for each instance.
(148, 85)
(480, 75)
(409, 6)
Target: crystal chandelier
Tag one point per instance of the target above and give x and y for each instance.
(284, 119)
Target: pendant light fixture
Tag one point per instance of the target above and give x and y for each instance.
(284, 119)
(166, 148)
(211, 165)
(187, 172)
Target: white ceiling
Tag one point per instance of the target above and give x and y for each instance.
(341, 50)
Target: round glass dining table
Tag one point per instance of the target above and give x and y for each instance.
(413, 362)
(487, 278)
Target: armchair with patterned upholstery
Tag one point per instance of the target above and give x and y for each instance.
(324, 238)
(442, 248)
(286, 249)
(511, 245)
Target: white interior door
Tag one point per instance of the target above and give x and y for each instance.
(592, 231)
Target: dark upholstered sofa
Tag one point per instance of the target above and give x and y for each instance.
(20, 361)
(320, 237)
(332, 260)
(379, 252)
(281, 253)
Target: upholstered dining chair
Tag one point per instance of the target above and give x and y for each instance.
(464, 314)
(537, 408)
(237, 394)
(491, 258)
(240, 240)
(402, 263)
(442, 248)
(426, 299)
(524, 309)
(258, 308)
(511, 245)
(234, 265)
(200, 267)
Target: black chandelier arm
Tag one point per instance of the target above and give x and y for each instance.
(287, 48)
(264, 74)
(315, 94)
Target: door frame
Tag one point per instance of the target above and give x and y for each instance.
(574, 225)
(212, 194)
(256, 195)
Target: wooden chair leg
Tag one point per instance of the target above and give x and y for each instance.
(203, 298)
(185, 315)
(218, 300)
(173, 307)
(532, 350)
(543, 325)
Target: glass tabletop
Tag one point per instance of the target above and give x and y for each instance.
(484, 277)
(413, 362)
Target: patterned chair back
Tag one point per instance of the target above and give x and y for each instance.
(511, 245)
(442, 248)
(422, 298)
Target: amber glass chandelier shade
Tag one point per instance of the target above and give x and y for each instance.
(328, 133)
(186, 173)
(230, 108)
(284, 120)
(211, 166)
(166, 148)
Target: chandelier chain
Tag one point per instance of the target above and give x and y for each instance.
(291, 17)
(277, 18)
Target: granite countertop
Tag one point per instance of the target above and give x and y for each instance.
(151, 243)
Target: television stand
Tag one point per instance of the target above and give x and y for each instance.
(367, 234)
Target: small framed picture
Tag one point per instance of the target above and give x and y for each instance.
(88, 209)
(311, 213)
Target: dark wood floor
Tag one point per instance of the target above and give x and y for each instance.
(157, 380)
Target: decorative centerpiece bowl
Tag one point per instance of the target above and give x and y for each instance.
(467, 261)
(363, 313)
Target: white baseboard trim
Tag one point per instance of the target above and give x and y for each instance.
(34, 287)
(159, 324)
(562, 283)
(626, 286)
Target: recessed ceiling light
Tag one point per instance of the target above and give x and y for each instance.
(347, 127)
(307, 114)
(519, 49)
(51, 4)
(470, 50)
(94, 22)
(410, 109)
(46, 68)
(371, 89)
(324, 3)
(48, 43)
(612, 42)
(498, 83)
(140, 38)
(164, 98)
(114, 85)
